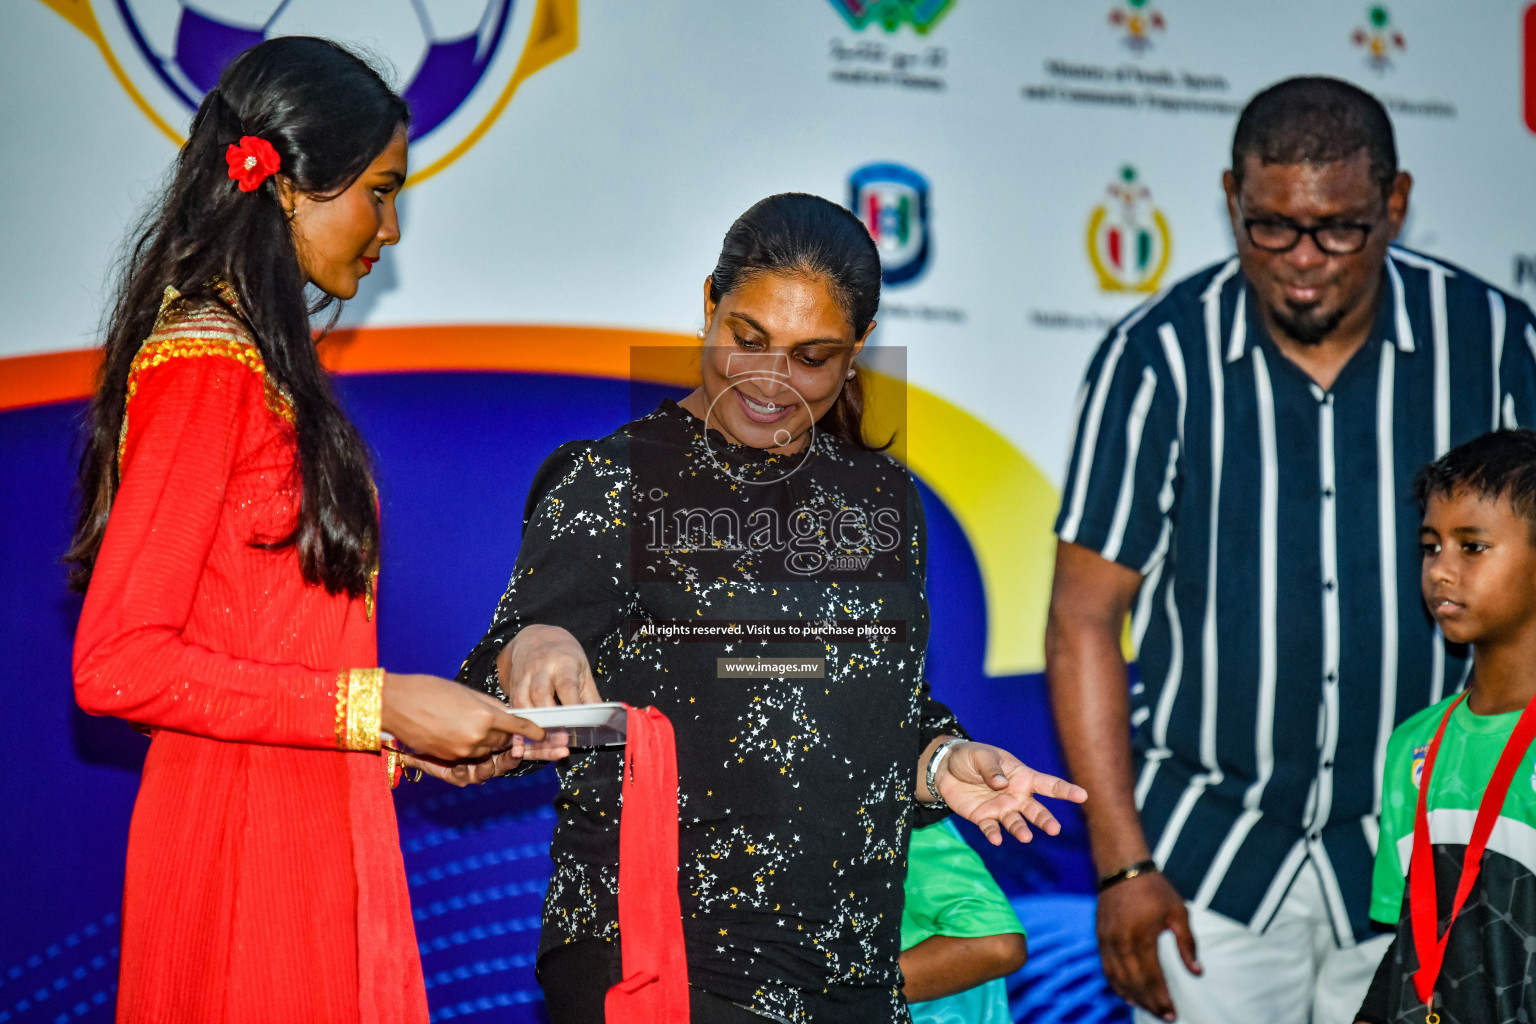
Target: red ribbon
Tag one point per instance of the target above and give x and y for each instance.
(655, 985)
(251, 161)
(1423, 906)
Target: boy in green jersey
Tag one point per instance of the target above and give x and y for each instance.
(1479, 582)
(959, 936)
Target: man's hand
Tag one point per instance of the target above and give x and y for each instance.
(1090, 598)
(1132, 914)
(544, 666)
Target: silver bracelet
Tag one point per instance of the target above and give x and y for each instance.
(932, 775)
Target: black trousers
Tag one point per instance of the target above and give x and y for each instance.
(576, 978)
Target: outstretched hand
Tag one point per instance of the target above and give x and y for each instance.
(994, 790)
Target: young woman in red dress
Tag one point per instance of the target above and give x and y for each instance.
(228, 543)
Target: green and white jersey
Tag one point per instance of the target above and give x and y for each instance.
(1489, 973)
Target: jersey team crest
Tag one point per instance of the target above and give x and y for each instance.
(456, 62)
(1128, 239)
(1417, 771)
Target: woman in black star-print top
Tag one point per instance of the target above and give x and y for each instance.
(756, 502)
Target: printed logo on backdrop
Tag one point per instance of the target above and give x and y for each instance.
(1378, 38)
(890, 15)
(1086, 80)
(457, 62)
(869, 59)
(1137, 19)
(892, 201)
(1128, 239)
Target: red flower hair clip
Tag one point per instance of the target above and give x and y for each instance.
(251, 162)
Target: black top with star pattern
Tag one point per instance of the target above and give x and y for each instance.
(795, 794)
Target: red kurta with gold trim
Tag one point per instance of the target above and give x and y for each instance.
(264, 879)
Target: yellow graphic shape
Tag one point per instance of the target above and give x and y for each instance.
(1002, 501)
(552, 36)
(1107, 280)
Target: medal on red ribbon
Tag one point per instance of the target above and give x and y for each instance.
(1423, 908)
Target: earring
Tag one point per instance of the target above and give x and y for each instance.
(290, 213)
(852, 373)
(700, 333)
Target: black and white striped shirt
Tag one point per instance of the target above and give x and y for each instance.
(1279, 631)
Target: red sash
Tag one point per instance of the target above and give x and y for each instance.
(1423, 908)
(655, 985)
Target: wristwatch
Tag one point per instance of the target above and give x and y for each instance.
(932, 775)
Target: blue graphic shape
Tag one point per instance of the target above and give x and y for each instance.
(447, 76)
(1063, 981)
(205, 46)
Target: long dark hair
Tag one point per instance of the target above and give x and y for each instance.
(329, 115)
(798, 233)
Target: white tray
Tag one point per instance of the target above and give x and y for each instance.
(584, 725)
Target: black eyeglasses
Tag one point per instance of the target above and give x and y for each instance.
(1283, 235)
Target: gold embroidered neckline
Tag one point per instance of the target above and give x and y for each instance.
(193, 333)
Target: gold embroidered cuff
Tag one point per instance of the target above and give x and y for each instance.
(359, 704)
(341, 708)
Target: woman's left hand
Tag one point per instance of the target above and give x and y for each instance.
(471, 773)
(991, 788)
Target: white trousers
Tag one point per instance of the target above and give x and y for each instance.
(1293, 973)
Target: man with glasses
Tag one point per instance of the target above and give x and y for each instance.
(1239, 488)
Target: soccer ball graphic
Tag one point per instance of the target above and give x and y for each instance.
(438, 49)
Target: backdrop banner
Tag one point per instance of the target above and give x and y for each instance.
(1030, 170)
